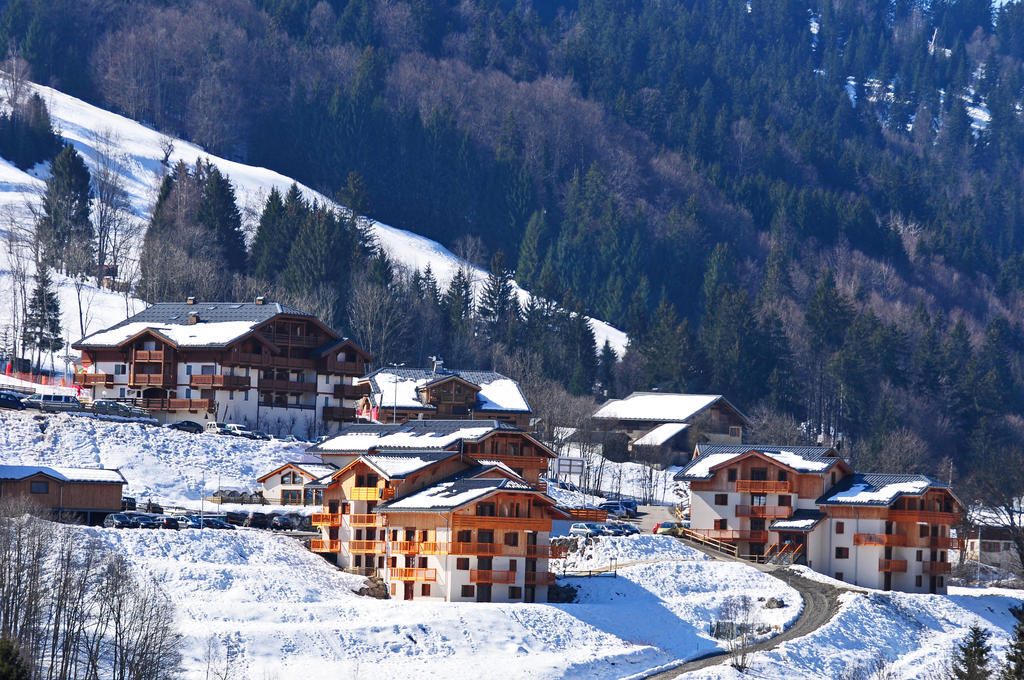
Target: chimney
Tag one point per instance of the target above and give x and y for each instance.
(190, 301)
(438, 365)
(193, 318)
(260, 300)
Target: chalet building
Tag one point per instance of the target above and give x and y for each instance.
(401, 394)
(439, 525)
(993, 546)
(287, 484)
(667, 426)
(81, 495)
(262, 364)
(804, 504)
(492, 440)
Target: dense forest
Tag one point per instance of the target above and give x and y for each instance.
(814, 207)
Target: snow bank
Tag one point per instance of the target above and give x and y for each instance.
(598, 552)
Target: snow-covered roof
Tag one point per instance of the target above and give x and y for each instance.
(452, 494)
(415, 434)
(202, 334)
(800, 520)
(659, 406)
(397, 387)
(399, 464)
(876, 489)
(800, 458)
(488, 464)
(660, 434)
(64, 474)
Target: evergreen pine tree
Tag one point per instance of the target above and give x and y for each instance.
(1013, 667)
(429, 290)
(42, 323)
(272, 242)
(64, 230)
(971, 660)
(498, 309)
(720, 271)
(219, 215)
(457, 303)
(606, 370)
(529, 265)
(828, 314)
(669, 352)
(313, 259)
(12, 666)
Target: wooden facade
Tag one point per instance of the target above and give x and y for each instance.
(71, 500)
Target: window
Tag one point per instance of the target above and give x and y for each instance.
(231, 395)
(512, 538)
(515, 592)
(462, 564)
(840, 527)
(759, 499)
(122, 393)
(425, 590)
(512, 565)
(920, 555)
(188, 369)
(922, 530)
(783, 475)
(468, 591)
(731, 472)
(423, 563)
(842, 553)
(839, 576)
(465, 536)
(483, 536)
(833, 479)
(291, 497)
(917, 581)
(759, 474)
(942, 581)
(990, 546)
(785, 500)
(120, 369)
(720, 524)
(40, 487)
(188, 392)
(485, 509)
(394, 589)
(246, 393)
(721, 499)
(394, 562)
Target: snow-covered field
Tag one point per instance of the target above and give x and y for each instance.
(599, 552)
(164, 465)
(140, 155)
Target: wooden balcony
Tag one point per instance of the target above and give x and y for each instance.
(880, 539)
(936, 567)
(345, 391)
(355, 368)
(148, 355)
(899, 566)
(339, 413)
(732, 535)
(491, 576)
(281, 339)
(195, 405)
(326, 519)
(767, 511)
(484, 549)
(501, 523)
(367, 520)
(90, 379)
(371, 493)
(924, 516)
(406, 547)
(762, 486)
(219, 381)
(945, 543)
(289, 386)
(521, 462)
(151, 380)
(366, 547)
(549, 552)
(540, 578)
(324, 546)
(412, 574)
(260, 360)
(434, 548)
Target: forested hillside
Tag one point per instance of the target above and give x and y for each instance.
(814, 206)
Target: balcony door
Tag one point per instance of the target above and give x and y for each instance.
(483, 592)
(409, 587)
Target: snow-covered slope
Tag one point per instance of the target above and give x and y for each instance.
(82, 124)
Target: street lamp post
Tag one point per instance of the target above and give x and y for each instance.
(394, 404)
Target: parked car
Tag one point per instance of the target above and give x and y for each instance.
(186, 426)
(587, 529)
(622, 528)
(127, 503)
(238, 430)
(300, 522)
(111, 408)
(52, 403)
(258, 434)
(167, 522)
(281, 523)
(118, 521)
(666, 528)
(616, 509)
(189, 521)
(215, 523)
(11, 401)
(145, 521)
(631, 505)
(32, 401)
(216, 428)
(257, 520)
(236, 518)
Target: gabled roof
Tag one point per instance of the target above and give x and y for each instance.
(358, 438)
(661, 406)
(804, 459)
(391, 387)
(62, 474)
(336, 345)
(401, 464)
(800, 520)
(661, 434)
(877, 489)
(220, 323)
(454, 493)
(313, 470)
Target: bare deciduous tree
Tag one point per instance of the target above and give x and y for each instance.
(377, 318)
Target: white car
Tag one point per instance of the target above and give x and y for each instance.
(238, 431)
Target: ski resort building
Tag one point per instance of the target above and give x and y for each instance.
(262, 364)
(805, 505)
(439, 524)
(666, 426)
(395, 395)
(85, 495)
(287, 484)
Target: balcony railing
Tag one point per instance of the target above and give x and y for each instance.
(345, 391)
(540, 578)
(290, 386)
(880, 539)
(551, 552)
(732, 535)
(367, 520)
(762, 486)
(406, 547)
(515, 461)
(945, 543)
(936, 567)
(324, 546)
(326, 519)
(371, 547)
(772, 511)
(149, 355)
(433, 548)
(151, 379)
(293, 340)
(412, 574)
(503, 523)
(90, 379)
(172, 404)
(899, 566)
(371, 493)
(491, 576)
(219, 381)
(924, 516)
(475, 548)
(356, 368)
(339, 413)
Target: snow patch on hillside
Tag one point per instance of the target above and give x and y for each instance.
(599, 552)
